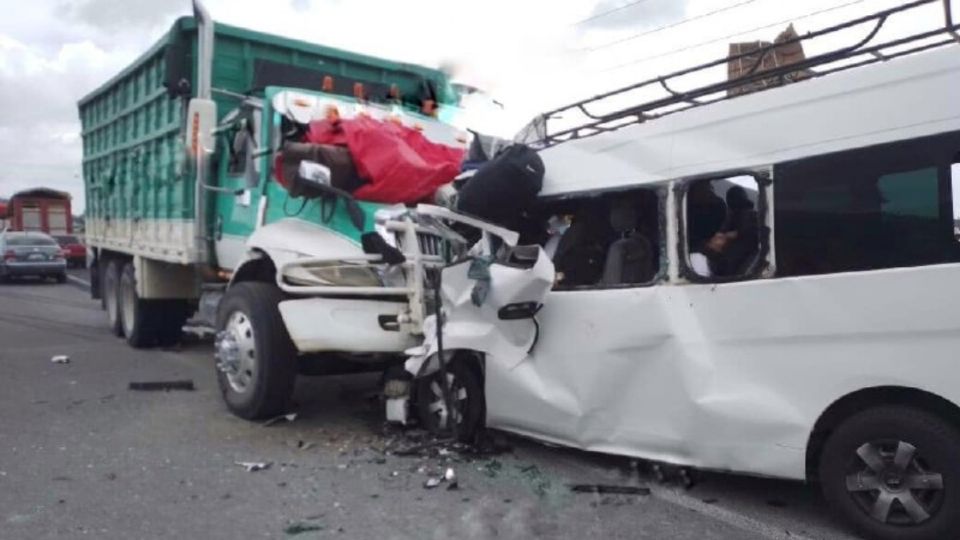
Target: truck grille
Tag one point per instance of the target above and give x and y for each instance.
(428, 244)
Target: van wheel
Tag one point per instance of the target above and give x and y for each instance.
(256, 360)
(893, 472)
(466, 393)
(111, 297)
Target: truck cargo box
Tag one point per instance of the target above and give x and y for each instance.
(140, 186)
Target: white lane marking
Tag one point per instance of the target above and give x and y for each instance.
(79, 281)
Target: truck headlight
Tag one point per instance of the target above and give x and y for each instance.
(339, 275)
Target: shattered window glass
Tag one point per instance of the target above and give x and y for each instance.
(722, 229)
(605, 240)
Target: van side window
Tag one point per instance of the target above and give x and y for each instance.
(723, 228)
(603, 241)
(870, 209)
(955, 191)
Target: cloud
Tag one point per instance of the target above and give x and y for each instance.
(528, 53)
(638, 15)
(123, 14)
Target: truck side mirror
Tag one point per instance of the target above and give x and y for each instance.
(201, 123)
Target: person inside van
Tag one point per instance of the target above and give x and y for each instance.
(581, 251)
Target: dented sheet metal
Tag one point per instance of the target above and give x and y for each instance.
(469, 326)
(730, 377)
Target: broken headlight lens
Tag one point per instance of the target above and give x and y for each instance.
(337, 275)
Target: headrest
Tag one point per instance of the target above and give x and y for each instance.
(624, 215)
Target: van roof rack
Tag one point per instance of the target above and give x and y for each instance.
(862, 53)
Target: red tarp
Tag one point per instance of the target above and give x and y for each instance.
(401, 165)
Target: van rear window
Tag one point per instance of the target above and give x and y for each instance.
(30, 240)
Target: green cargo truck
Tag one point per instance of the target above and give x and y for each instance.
(183, 210)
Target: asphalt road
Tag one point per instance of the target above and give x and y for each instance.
(81, 455)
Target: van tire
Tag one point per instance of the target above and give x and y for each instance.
(856, 489)
(465, 384)
(110, 290)
(256, 359)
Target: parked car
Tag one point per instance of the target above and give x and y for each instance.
(74, 250)
(31, 254)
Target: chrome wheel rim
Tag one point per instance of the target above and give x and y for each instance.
(893, 484)
(437, 406)
(236, 352)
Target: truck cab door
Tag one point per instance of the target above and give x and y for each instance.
(235, 207)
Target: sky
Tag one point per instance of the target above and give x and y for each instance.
(531, 55)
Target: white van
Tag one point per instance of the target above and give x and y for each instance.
(766, 285)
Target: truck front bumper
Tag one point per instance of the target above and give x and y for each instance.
(345, 325)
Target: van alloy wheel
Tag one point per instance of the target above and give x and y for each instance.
(891, 482)
(892, 472)
(466, 394)
(236, 352)
(438, 406)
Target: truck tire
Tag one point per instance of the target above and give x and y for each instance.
(171, 316)
(256, 360)
(111, 296)
(466, 389)
(893, 473)
(144, 322)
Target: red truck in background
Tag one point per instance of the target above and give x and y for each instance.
(41, 209)
(48, 211)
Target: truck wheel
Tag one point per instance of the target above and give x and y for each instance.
(893, 472)
(171, 315)
(466, 392)
(256, 360)
(111, 297)
(140, 318)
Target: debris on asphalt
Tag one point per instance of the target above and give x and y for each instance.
(254, 466)
(450, 475)
(491, 468)
(432, 482)
(603, 489)
(277, 419)
(60, 359)
(537, 480)
(300, 527)
(163, 386)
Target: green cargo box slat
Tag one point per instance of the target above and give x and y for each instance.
(139, 186)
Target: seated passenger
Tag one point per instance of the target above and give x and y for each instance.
(582, 250)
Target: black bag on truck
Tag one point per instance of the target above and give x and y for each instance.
(503, 188)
